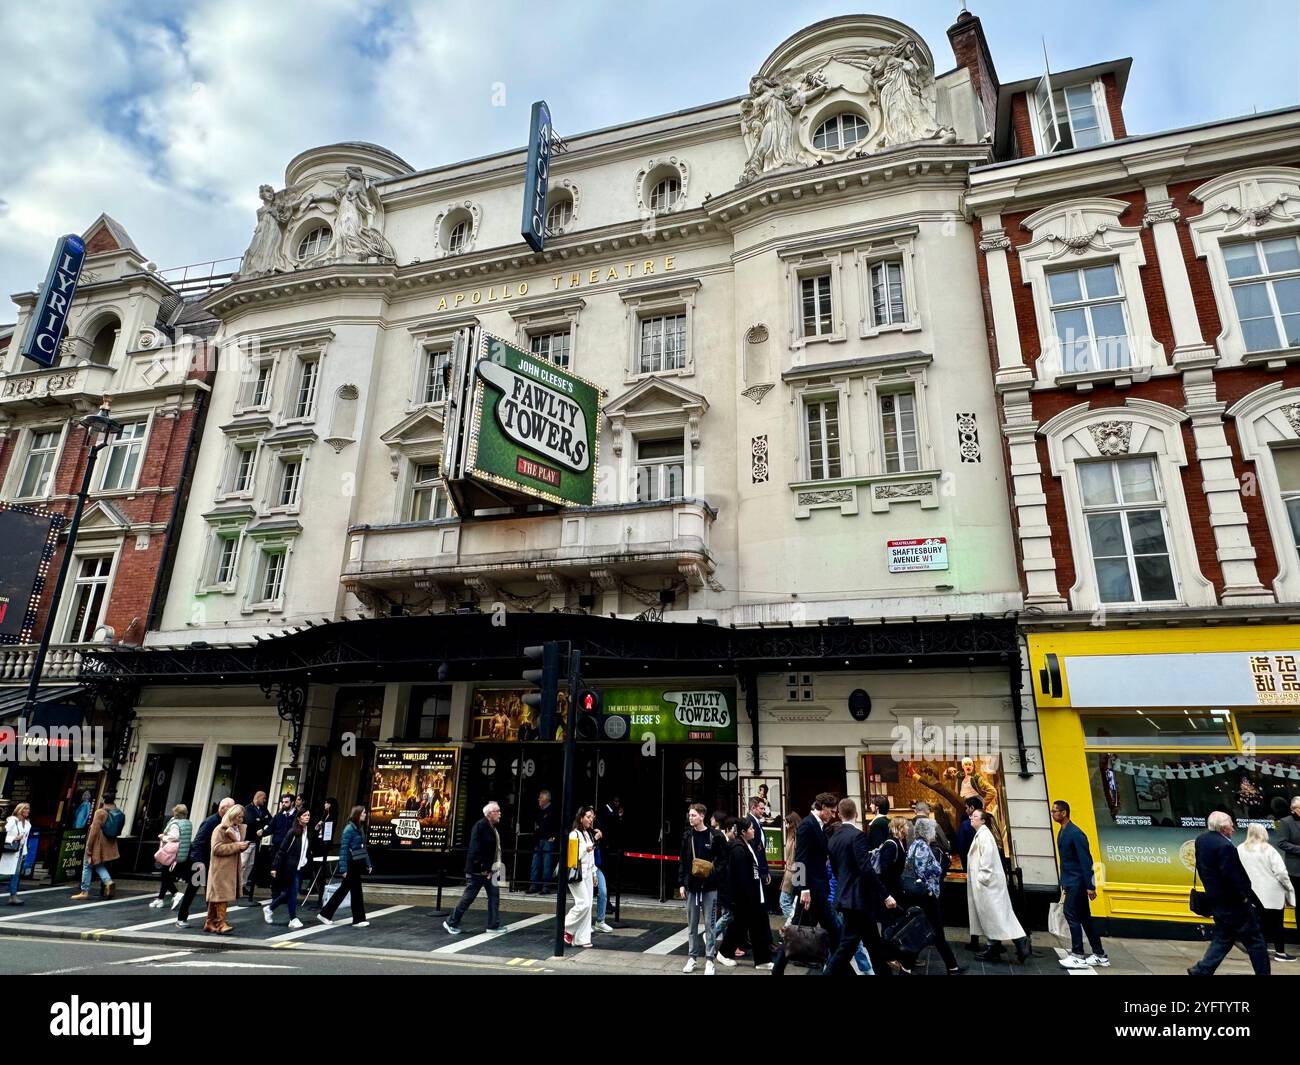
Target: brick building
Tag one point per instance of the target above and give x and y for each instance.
(132, 340)
(1142, 298)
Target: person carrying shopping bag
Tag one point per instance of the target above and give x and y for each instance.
(581, 866)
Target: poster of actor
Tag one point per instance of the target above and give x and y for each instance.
(413, 797)
(761, 796)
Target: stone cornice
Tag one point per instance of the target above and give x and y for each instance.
(873, 175)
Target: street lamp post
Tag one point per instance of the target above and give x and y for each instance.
(100, 431)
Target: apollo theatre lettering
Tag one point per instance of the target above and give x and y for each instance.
(534, 414)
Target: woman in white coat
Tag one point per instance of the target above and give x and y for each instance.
(987, 898)
(582, 857)
(18, 827)
(1271, 884)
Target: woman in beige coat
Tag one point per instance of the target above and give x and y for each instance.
(223, 869)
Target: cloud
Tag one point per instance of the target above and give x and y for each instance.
(168, 117)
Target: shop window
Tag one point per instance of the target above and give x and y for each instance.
(799, 688)
(1273, 730)
(1125, 517)
(429, 716)
(1144, 791)
(1158, 728)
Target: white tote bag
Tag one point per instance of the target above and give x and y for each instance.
(1056, 922)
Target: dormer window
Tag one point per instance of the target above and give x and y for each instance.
(840, 131)
(1069, 116)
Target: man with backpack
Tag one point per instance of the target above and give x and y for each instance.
(101, 846)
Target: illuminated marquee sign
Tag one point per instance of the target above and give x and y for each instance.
(532, 426)
(29, 535)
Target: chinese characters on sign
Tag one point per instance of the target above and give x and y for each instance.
(1276, 679)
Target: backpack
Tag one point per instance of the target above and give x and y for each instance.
(878, 859)
(911, 881)
(113, 824)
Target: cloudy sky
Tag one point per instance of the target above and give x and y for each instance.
(169, 118)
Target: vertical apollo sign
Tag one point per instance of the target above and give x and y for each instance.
(537, 177)
(533, 427)
(51, 311)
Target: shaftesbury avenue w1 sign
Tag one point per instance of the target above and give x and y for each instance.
(533, 427)
(51, 310)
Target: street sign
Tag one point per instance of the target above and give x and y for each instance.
(537, 176)
(912, 556)
(51, 311)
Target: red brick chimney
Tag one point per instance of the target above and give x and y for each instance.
(971, 49)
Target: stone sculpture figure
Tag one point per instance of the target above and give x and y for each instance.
(899, 82)
(358, 215)
(769, 116)
(265, 254)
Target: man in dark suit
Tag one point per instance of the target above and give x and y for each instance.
(878, 829)
(861, 895)
(758, 845)
(1230, 896)
(811, 875)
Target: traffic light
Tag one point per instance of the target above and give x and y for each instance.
(588, 716)
(547, 680)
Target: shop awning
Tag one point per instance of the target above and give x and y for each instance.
(380, 650)
(56, 705)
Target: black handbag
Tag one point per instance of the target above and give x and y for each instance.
(911, 933)
(810, 944)
(1198, 901)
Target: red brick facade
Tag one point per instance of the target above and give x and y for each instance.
(161, 478)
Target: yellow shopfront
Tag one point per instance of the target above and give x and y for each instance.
(1145, 732)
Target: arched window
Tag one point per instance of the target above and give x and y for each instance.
(665, 193)
(840, 131)
(559, 214)
(101, 349)
(458, 237)
(314, 243)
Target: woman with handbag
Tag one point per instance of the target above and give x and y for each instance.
(288, 863)
(173, 852)
(354, 860)
(893, 856)
(922, 881)
(18, 826)
(581, 866)
(699, 870)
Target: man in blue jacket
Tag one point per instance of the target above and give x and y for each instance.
(1230, 896)
(1080, 888)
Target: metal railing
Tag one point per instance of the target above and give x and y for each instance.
(198, 278)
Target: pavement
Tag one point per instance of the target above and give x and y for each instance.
(650, 937)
